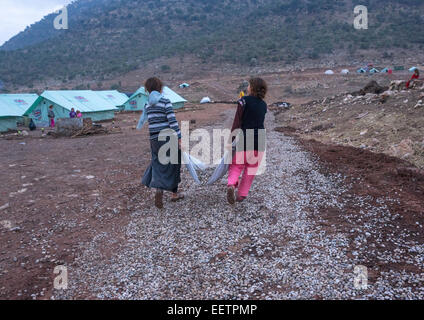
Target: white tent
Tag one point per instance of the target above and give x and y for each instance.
(205, 100)
(329, 72)
(345, 71)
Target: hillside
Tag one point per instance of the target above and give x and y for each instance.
(111, 37)
(389, 122)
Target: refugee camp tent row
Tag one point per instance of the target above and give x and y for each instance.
(91, 104)
(139, 99)
(13, 108)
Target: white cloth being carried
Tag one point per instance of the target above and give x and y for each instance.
(222, 168)
(192, 164)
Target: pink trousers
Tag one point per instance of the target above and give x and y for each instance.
(246, 162)
(51, 122)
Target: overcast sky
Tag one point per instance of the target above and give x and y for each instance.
(16, 15)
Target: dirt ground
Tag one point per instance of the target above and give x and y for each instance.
(85, 180)
(92, 183)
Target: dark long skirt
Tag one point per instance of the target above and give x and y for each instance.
(160, 176)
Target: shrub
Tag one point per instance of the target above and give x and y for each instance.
(165, 68)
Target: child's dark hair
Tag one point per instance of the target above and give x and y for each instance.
(153, 84)
(258, 87)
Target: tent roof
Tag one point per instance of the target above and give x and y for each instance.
(117, 98)
(82, 100)
(15, 105)
(168, 93)
(140, 90)
(172, 95)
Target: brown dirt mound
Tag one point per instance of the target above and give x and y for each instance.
(287, 130)
(371, 87)
(382, 172)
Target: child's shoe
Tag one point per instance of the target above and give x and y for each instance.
(240, 198)
(231, 198)
(159, 199)
(177, 197)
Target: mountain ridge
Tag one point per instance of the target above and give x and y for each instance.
(107, 38)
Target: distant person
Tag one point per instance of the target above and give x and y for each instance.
(78, 114)
(414, 77)
(72, 114)
(51, 117)
(160, 116)
(32, 125)
(250, 116)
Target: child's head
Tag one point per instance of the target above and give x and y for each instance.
(153, 84)
(78, 112)
(72, 110)
(51, 107)
(257, 87)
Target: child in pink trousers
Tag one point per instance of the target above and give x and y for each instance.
(249, 119)
(51, 116)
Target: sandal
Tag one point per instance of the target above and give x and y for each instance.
(159, 199)
(177, 198)
(230, 195)
(240, 198)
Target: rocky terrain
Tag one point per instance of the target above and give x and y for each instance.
(387, 122)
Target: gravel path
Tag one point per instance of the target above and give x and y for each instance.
(274, 246)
